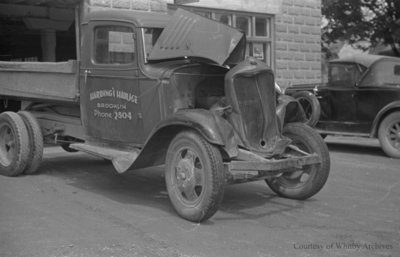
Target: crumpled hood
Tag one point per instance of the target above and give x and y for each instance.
(191, 35)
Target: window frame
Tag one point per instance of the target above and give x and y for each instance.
(93, 28)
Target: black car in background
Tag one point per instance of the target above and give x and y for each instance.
(361, 98)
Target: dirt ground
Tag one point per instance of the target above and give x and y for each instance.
(77, 206)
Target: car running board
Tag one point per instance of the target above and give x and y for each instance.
(121, 159)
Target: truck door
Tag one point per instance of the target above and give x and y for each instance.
(109, 83)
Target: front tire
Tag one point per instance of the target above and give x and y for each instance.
(389, 135)
(194, 177)
(14, 148)
(309, 180)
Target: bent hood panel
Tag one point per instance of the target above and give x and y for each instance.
(192, 35)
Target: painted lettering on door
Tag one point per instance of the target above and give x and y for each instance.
(116, 108)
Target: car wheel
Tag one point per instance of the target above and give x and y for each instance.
(311, 106)
(14, 148)
(389, 135)
(194, 176)
(35, 142)
(310, 179)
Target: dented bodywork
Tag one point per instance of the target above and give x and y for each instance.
(190, 35)
(229, 100)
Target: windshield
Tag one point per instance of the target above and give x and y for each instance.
(150, 37)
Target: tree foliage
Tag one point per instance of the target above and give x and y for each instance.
(375, 21)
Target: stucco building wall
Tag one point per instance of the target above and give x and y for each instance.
(298, 42)
(138, 5)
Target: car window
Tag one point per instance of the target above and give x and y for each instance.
(383, 73)
(113, 45)
(397, 70)
(344, 75)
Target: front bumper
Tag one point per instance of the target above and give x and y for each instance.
(251, 170)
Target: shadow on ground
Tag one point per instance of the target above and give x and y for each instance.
(355, 148)
(142, 187)
(146, 187)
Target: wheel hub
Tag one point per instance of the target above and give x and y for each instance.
(6, 145)
(394, 135)
(185, 169)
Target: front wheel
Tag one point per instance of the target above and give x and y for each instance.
(389, 135)
(194, 176)
(310, 179)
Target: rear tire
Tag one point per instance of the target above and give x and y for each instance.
(35, 142)
(308, 181)
(310, 105)
(14, 147)
(389, 135)
(194, 177)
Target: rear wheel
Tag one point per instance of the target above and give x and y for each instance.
(194, 177)
(310, 179)
(35, 142)
(310, 105)
(389, 135)
(14, 148)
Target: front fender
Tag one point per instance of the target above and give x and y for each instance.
(212, 127)
(289, 110)
(381, 114)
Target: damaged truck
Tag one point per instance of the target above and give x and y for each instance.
(152, 89)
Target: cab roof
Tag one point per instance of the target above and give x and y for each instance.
(140, 19)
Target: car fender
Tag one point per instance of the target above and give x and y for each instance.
(289, 110)
(211, 126)
(389, 108)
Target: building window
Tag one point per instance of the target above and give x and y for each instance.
(257, 27)
(243, 23)
(262, 27)
(223, 18)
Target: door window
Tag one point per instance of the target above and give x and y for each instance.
(343, 75)
(114, 45)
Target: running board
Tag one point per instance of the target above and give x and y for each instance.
(346, 134)
(121, 159)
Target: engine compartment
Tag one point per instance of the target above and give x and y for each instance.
(197, 89)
